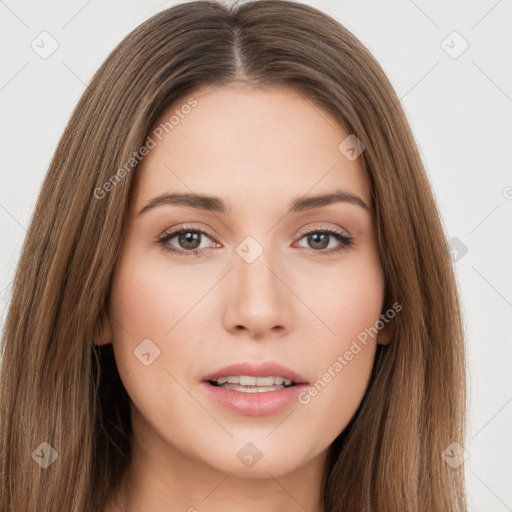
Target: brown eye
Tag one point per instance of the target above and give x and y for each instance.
(319, 240)
(188, 241)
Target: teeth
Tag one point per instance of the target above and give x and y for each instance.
(245, 380)
(251, 389)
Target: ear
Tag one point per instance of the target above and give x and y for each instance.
(384, 336)
(103, 332)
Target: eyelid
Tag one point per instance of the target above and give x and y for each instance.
(186, 227)
(319, 226)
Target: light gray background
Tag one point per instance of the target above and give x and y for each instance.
(460, 112)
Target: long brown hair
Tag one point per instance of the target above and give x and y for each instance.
(57, 387)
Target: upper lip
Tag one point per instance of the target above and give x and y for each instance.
(268, 369)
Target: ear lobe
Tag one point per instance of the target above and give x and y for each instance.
(384, 336)
(103, 331)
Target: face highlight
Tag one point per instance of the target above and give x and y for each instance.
(254, 270)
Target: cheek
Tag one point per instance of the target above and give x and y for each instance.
(149, 299)
(340, 383)
(141, 313)
(343, 365)
(343, 301)
(149, 305)
(348, 304)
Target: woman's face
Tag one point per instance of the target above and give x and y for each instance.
(268, 285)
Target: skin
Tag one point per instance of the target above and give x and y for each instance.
(250, 147)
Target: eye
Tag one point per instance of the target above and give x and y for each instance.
(188, 240)
(319, 239)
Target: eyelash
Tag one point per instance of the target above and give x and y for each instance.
(346, 241)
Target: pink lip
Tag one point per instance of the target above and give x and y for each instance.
(259, 403)
(257, 370)
(254, 404)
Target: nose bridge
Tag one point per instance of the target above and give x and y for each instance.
(259, 296)
(255, 263)
(253, 268)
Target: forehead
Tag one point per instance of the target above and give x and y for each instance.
(240, 142)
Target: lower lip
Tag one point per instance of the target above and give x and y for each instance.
(254, 404)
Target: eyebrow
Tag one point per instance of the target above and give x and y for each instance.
(217, 205)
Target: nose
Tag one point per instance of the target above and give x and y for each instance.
(258, 300)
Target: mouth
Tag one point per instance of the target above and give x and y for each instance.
(252, 384)
(254, 389)
(251, 377)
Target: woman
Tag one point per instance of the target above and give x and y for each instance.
(235, 290)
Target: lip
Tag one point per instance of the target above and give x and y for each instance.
(253, 404)
(268, 369)
(259, 403)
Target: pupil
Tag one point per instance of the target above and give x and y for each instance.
(323, 243)
(189, 238)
